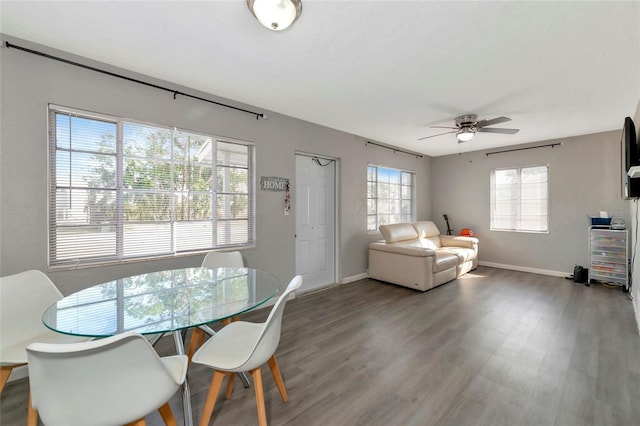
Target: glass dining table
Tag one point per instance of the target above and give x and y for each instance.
(163, 302)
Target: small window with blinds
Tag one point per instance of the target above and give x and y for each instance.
(519, 199)
(390, 196)
(122, 190)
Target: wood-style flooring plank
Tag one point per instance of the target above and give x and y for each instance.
(495, 347)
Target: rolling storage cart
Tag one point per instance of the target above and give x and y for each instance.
(608, 256)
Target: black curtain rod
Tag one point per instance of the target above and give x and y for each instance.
(522, 149)
(393, 149)
(112, 74)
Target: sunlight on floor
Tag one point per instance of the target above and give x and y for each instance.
(471, 275)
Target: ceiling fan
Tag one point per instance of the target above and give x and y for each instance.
(467, 126)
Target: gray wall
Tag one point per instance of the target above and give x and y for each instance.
(29, 83)
(584, 178)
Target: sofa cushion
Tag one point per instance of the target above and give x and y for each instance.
(444, 260)
(426, 229)
(458, 241)
(398, 232)
(463, 254)
(431, 242)
(409, 247)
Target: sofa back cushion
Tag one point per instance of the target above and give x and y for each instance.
(398, 232)
(429, 232)
(426, 229)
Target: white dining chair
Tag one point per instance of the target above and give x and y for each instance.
(23, 299)
(214, 259)
(113, 381)
(244, 347)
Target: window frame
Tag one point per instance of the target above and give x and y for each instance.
(376, 199)
(173, 222)
(518, 200)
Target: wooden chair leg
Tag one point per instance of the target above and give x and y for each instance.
(257, 384)
(197, 339)
(275, 370)
(167, 415)
(228, 321)
(232, 376)
(216, 383)
(5, 372)
(32, 414)
(140, 422)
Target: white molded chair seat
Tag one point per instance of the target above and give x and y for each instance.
(23, 299)
(243, 346)
(234, 342)
(113, 381)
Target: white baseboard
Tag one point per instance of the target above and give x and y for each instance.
(353, 278)
(525, 269)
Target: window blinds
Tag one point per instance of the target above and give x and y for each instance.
(390, 195)
(122, 190)
(519, 199)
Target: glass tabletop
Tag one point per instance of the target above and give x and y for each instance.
(161, 302)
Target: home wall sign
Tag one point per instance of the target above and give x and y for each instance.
(272, 183)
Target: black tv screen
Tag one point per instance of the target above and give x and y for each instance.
(631, 157)
(630, 143)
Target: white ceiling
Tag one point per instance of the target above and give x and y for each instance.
(383, 70)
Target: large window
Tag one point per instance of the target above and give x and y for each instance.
(390, 196)
(519, 199)
(122, 190)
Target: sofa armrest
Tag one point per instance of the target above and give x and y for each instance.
(400, 248)
(458, 241)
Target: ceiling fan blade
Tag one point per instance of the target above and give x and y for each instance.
(443, 127)
(439, 134)
(497, 130)
(485, 123)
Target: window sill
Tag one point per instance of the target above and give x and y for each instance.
(100, 264)
(519, 231)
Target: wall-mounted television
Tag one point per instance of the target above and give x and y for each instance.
(630, 158)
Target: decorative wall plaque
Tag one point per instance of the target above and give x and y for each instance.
(272, 183)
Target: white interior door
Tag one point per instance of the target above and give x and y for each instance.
(315, 221)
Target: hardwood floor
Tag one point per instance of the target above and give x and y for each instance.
(495, 347)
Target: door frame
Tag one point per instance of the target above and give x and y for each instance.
(337, 266)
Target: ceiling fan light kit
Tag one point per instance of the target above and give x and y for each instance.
(465, 135)
(275, 15)
(468, 125)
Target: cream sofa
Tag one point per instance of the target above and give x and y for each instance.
(415, 255)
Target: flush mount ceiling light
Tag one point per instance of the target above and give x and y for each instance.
(276, 15)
